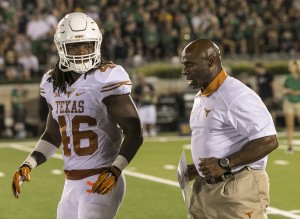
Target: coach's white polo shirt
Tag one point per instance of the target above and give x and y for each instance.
(226, 116)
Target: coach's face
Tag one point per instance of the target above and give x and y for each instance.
(196, 68)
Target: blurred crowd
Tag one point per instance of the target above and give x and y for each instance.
(137, 31)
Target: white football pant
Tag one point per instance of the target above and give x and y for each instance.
(78, 202)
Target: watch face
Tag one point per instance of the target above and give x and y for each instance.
(224, 162)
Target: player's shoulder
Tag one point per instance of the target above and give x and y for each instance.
(111, 72)
(46, 83)
(112, 69)
(46, 79)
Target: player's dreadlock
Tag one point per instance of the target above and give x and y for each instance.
(62, 79)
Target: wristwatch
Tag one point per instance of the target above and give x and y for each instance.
(224, 163)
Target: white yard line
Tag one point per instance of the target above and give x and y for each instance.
(283, 213)
(29, 149)
(151, 178)
(284, 147)
(4, 146)
(271, 210)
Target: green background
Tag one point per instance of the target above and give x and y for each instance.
(144, 199)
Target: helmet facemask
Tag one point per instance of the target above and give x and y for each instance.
(77, 28)
(79, 63)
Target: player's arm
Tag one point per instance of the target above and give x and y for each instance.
(123, 111)
(46, 146)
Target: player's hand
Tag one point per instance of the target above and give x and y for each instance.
(21, 175)
(107, 180)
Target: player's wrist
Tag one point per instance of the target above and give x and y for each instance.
(46, 148)
(120, 163)
(116, 171)
(29, 162)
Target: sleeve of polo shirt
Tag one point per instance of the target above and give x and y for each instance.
(250, 117)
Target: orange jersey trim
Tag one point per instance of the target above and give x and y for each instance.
(115, 86)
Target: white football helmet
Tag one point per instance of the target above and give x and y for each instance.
(74, 28)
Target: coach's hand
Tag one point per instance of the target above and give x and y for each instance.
(21, 175)
(107, 180)
(191, 172)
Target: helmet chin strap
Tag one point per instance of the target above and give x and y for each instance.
(82, 67)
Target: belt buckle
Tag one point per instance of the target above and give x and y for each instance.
(223, 177)
(212, 180)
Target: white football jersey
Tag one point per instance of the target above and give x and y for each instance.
(91, 138)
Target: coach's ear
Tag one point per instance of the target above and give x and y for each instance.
(211, 60)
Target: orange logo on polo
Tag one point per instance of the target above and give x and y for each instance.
(207, 111)
(249, 213)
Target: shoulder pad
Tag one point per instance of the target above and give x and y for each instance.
(115, 80)
(106, 67)
(45, 83)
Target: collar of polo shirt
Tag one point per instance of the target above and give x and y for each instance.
(214, 85)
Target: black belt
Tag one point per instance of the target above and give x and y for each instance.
(217, 179)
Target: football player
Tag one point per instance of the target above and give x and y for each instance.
(90, 109)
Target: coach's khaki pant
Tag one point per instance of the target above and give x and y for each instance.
(244, 195)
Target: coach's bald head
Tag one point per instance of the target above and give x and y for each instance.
(204, 59)
(205, 49)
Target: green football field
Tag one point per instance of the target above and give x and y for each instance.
(152, 189)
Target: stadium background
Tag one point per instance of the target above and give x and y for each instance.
(145, 37)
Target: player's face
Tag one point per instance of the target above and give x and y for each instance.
(196, 70)
(80, 49)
